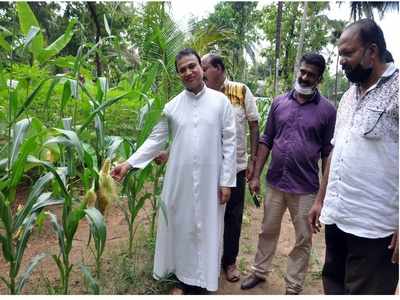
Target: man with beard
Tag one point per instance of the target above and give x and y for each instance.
(198, 178)
(360, 198)
(298, 132)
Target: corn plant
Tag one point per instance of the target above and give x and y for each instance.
(23, 139)
(73, 209)
(156, 178)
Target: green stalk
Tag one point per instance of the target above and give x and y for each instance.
(130, 229)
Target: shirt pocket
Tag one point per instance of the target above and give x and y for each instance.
(372, 126)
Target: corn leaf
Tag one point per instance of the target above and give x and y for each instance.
(112, 145)
(27, 147)
(75, 141)
(66, 95)
(53, 84)
(45, 200)
(58, 44)
(92, 282)
(61, 140)
(5, 214)
(25, 276)
(72, 222)
(37, 189)
(6, 282)
(60, 235)
(30, 98)
(56, 174)
(6, 248)
(19, 132)
(101, 108)
(22, 241)
(98, 228)
(27, 19)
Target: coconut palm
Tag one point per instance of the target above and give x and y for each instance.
(365, 8)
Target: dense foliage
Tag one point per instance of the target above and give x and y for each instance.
(83, 83)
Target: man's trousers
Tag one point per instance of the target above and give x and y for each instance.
(356, 265)
(276, 203)
(233, 220)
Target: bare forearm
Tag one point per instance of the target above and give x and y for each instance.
(262, 156)
(326, 163)
(254, 136)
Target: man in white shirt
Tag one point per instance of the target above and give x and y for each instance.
(359, 196)
(198, 178)
(245, 108)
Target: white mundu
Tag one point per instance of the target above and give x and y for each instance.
(202, 158)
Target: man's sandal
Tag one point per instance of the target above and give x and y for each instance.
(232, 273)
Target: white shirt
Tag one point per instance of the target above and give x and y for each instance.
(202, 158)
(245, 111)
(362, 195)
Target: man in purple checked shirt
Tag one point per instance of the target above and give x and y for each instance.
(298, 132)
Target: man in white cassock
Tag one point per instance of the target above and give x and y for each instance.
(200, 172)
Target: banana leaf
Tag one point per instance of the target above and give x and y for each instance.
(58, 44)
(27, 19)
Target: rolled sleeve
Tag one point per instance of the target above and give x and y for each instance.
(268, 136)
(328, 140)
(251, 106)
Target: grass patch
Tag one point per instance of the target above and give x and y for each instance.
(125, 274)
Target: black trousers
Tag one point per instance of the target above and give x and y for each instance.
(233, 221)
(358, 266)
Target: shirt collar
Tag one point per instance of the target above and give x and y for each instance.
(198, 95)
(315, 98)
(391, 68)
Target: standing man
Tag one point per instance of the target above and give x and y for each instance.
(298, 132)
(361, 206)
(198, 179)
(245, 108)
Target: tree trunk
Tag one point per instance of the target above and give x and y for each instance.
(289, 42)
(336, 81)
(277, 46)
(301, 39)
(92, 9)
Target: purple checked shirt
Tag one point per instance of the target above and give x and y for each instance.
(298, 135)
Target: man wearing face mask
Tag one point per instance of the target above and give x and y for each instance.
(359, 193)
(298, 132)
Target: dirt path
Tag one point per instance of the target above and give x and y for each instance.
(275, 284)
(45, 241)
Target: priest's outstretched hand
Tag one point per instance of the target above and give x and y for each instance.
(119, 172)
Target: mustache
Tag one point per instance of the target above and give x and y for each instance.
(307, 83)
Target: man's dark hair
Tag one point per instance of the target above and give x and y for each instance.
(369, 32)
(314, 59)
(388, 57)
(186, 52)
(216, 60)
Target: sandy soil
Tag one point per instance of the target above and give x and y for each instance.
(45, 241)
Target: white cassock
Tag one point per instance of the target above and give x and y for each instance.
(202, 157)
